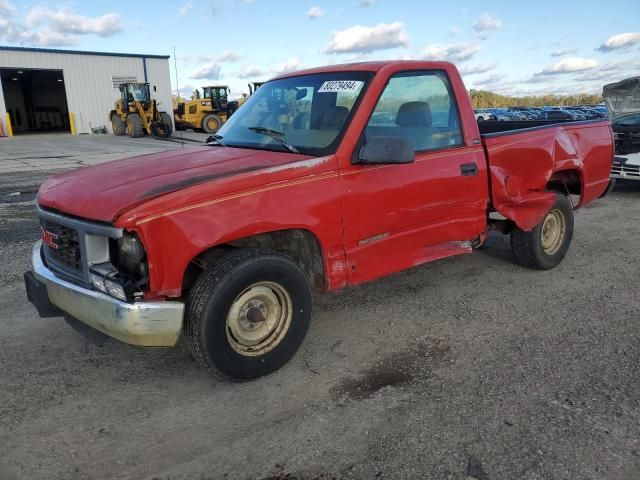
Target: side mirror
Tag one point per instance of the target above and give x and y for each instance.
(180, 109)
(386, 150)
(300, 94)
(154, 88)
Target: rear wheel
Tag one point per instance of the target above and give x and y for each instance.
(166, 120)
(546, 245)
(134, 125)
(211, 123)
(118, 125)
(247, 315)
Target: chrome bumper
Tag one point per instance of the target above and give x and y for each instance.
(148, 324)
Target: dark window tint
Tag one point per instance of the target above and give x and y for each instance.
(629, 121)
(418, 106)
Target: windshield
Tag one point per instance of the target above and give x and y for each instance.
(309, 113)
(138, 92)
(219, 93)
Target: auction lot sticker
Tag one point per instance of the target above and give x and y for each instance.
(340, 86)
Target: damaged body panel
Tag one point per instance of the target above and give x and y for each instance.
(524, 163)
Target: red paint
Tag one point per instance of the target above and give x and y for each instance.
(369, 220)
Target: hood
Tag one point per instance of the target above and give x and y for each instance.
(622, 98)
(104, 191)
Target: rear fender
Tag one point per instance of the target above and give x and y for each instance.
(527, 167)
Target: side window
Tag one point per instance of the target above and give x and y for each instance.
(418, 106)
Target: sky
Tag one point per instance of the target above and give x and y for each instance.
(510, 47)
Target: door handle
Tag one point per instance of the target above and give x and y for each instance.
(469, 169)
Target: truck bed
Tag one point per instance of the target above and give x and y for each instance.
(524, 158)
(491, 127)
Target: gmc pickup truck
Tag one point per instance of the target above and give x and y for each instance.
(324, 178)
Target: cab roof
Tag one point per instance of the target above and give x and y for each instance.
(369, 67)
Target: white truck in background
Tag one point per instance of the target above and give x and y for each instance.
(623, 103)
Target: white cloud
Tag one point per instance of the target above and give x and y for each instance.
(44, 27)
(186, 91)
(563, 52)
(474, 69)
(612, 71)
(229, 56)
(621, 40)
(66, 22)
(289, 66)
(249, 71)
(453, 52)
(209, 71)
(485, 23)
(568, 65)
(488, 82)
(365, 3)
(6, 9)
(315, 12)
(368, 39)
(185, 8)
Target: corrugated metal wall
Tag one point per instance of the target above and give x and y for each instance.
(87, 80)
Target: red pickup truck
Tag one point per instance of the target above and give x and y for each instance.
(324, 178)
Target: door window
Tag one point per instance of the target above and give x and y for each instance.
(420, 107)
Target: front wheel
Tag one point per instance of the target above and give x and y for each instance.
(546, 245)
(247, 315)
(211, 123)
(134, 125)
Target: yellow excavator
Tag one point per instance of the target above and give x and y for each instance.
(135, 113)
(253, 86)
(208, 113)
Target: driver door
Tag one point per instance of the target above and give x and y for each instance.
(400, 215)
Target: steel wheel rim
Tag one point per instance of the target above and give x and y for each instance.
(259, 318)
(553, 231)
(212, 124)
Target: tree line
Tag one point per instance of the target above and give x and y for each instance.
(485, 99)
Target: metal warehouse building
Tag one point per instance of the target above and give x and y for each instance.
(45, 90)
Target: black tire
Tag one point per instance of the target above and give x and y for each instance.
(166, 120)
(528, 247)
(207, 123)
(118, 125)
(221, 288)
(134, 125)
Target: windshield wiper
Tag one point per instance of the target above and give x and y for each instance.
(277, 136)
(215, 140)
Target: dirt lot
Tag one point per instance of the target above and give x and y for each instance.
(468, 366)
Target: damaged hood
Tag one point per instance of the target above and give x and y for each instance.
(622, 98)
(104, 191)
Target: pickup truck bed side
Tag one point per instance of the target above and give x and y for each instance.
(522, 163)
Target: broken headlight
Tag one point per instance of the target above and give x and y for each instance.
(126, 276)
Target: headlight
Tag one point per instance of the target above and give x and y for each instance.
(131, 256)
(126, 275)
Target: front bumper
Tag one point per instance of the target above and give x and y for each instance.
(148, 324)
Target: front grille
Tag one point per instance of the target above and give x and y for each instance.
(68, 254)
(622, 168)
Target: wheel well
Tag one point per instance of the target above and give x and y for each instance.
(566, 181)
(299, 244)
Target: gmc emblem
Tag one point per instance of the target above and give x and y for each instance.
(49, 238)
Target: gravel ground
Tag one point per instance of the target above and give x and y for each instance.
(470, 367)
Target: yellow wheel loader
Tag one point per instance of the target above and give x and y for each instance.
(208, 113)
(135, 113)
